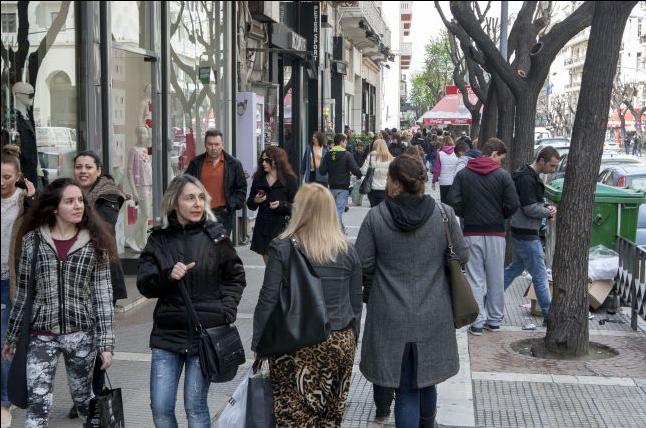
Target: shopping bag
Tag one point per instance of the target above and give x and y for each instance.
(106, 409)
(260, 402)
(234, 414)
(133, 213)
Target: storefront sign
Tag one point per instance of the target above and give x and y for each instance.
(311, 13)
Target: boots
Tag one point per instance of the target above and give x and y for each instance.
(428, 422)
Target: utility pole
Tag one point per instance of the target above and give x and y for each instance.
(503, 28)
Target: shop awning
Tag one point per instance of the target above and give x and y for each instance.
(614, 121)
(450, 110)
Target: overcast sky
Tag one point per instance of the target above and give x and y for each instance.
(427, 24)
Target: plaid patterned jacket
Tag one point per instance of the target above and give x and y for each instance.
(71, 295)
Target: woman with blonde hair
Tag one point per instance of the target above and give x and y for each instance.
(379, 158)
(315, 230)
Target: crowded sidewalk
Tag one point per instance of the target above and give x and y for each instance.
(496, 386)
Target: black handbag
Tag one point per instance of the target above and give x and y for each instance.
(17, 379)
(220, 349)
(465, 307)
(106, 409)
(300, 318)
(260, 398)
(366, 184)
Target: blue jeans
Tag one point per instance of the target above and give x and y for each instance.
(412, 403)
(528, 255)
(341, 199)
(6, 310)
(165, 370)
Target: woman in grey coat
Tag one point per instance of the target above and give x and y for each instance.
(409, 339)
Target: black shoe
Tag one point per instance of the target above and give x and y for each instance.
(476, 331)
(428, 422)
(492, 327)
(346, 209)
(545, 322)
(73, 414)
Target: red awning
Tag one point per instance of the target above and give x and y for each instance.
(450, 110)
(614, 121)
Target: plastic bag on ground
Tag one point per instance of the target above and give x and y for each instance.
(235, 413)
(603, 263)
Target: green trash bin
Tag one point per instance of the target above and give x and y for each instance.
(614, 212)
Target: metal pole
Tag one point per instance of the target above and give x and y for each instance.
(503, 28)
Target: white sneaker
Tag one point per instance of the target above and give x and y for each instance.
(5, 417)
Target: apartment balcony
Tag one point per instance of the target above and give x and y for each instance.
(581, 37)
(363, 24)
(406, 48)
(574, 62)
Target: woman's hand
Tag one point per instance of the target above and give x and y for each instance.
(180, 269)
(273, 205)
(106, 357)
(260, 199)
(7, 352)
(31, 189)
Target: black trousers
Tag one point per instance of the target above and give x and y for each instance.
(444, 193)
(376, 197)
(225, 216)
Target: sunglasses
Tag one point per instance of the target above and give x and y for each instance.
(24, 93)
(266, 159)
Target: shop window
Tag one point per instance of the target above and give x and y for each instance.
(197, 98)
(130, 22)
(39, 103)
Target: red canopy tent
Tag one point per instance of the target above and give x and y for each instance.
(614, 121)
(450, 110)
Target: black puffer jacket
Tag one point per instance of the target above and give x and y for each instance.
(215, 284)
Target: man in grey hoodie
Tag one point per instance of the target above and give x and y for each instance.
(527, 250)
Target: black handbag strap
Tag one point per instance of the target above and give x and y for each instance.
(445, 220)
(189, 304)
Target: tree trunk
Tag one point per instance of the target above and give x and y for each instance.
(567, 333)
(475, 127)
(506, 112)
(489, 119)
(522, 150)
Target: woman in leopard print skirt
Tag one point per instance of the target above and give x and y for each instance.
(310, 386)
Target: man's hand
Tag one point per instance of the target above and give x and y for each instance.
(180, 269)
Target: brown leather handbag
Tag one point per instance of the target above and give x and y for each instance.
(465, 307)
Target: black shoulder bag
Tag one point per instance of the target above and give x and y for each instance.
(220, 349)
(17, 384)
(300, 318)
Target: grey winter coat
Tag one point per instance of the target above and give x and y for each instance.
(409, 299)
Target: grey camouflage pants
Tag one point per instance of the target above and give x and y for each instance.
(79, 352)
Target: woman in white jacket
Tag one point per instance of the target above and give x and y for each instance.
(446, 164)
(380, 159)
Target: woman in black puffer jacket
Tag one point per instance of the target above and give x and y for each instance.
(190, 249)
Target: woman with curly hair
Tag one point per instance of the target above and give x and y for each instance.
(272, 193)
(71, 248)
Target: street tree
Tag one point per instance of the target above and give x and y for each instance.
(466, 71)
(561, 112)
(567, 332)
(15, 60)
(428, 86)
(517, 80)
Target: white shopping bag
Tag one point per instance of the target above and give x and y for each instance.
(235, 413)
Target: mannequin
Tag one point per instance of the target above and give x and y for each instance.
(140, 179)
(146, 108)
(23, 102)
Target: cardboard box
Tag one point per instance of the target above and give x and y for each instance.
(530, 293)
(598, 291)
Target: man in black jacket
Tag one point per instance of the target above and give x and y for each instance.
(338, 163)
(527, 250)
(484, 194)
(223, 177)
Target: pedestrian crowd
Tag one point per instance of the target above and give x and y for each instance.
(61, 275)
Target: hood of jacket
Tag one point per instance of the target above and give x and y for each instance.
(82, 239)
(336, 150)
(483, 165)
(410, 212)
(448, 149)
(103, 187)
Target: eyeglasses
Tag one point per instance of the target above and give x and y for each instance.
(31, 95)
(268, 160)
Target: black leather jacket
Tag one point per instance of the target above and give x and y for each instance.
(215, 284)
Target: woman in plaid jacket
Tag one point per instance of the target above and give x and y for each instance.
(72, 309)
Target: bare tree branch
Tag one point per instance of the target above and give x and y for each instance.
(47, 41)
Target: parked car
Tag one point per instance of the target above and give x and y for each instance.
(640, 238)
(561, 144)
(630, 176)
(607, 161)
(56, 162)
